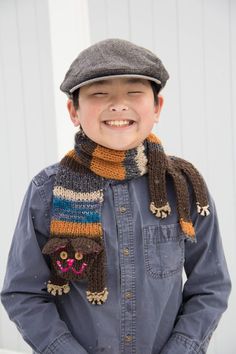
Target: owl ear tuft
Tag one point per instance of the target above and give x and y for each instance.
(53, 244)
(86, 245)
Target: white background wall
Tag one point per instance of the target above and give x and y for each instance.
(196, 39)
(27, 116)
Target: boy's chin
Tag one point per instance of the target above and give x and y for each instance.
(118, 143)
(120, 146)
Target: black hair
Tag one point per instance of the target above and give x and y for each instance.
(75, 99)
(155, 88)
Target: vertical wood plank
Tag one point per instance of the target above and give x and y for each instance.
(98, 20)
(109, 19)
(117, 19)
(191, 76)
(232, 30)
(166, 47)
(219, 140)
(31, 83)
(218, 107)
(27, 134)
(141, 25)
(13, 146)
(14, 111)
(47, 114)
(69, 35)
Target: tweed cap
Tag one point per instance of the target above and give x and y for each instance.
(113, 58)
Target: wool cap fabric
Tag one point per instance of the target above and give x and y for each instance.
(113, 58)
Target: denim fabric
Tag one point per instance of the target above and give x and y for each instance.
(149, 310)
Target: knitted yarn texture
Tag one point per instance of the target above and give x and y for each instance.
(76, 246)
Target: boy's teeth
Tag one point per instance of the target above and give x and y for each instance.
(118, 122)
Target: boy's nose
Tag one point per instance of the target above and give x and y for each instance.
(118, 108)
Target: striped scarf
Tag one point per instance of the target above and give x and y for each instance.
(76, 245)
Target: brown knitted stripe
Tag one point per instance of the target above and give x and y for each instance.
(157, 165)
(84, 148)
(72, 161)
(68, 176)
(182, 197)
(196, 180)
(97, 276)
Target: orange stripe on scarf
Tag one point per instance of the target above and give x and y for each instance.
(153, 139)
(102, 161)
(66, 228)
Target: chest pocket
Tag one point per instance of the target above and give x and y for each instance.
(163, 250)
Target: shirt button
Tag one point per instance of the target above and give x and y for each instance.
(128, 295)
(126, 252)
(128, 338)
(122, 210)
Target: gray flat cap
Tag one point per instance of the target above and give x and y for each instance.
(113, 58)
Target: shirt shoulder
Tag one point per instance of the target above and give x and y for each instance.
(46, 175)
(39, 198)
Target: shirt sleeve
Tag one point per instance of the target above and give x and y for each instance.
(206, 291)
(24, 293)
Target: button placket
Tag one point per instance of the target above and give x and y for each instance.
(127, 268)
(128, 295)
(122, 209)
(128, 338)
(126, 251)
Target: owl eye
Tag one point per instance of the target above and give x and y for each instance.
(63, 255)
(78, 256)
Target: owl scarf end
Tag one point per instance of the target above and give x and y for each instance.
(203, 210)
(161, 212)
(54, 289)
(97, 298)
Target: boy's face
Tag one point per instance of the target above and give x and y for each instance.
(116, 113)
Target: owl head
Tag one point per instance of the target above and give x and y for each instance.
(72, 259)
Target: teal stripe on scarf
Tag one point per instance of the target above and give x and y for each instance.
(73, 211)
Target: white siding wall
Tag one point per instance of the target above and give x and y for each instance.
(69, 27)
(27, 115)
(196, 39)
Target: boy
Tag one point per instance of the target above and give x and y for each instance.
(97, 257)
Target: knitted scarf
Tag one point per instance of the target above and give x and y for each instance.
(76, 245)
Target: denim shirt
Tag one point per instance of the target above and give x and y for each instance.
(149, 310)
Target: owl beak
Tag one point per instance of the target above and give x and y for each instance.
(70, 262)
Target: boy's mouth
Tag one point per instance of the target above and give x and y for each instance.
(119, 123)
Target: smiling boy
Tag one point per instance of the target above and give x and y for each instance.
(103, 237)
(122, 110)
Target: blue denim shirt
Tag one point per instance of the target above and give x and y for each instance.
(149, 310)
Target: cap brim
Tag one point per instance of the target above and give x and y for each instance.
(90, 81)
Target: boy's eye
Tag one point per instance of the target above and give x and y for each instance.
(99, 94)
(63, 255)
(135, 92)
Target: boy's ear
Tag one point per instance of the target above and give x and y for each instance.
(73, 113)
(158, 108)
